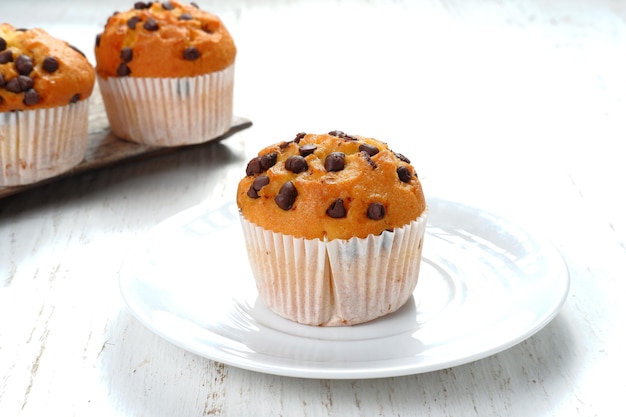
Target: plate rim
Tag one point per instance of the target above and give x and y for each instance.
(386, 368)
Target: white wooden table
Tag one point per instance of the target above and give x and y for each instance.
(515, 106)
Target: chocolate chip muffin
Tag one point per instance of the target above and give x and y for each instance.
(45, 84)
(166, 73)
(334, 226)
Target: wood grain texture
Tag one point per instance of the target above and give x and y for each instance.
(513, 106)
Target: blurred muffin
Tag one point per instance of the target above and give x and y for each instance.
(166, 74)
(334, 227)
(45, 84)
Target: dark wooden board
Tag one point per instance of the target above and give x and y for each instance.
(105, 149)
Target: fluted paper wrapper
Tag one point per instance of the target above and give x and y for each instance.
(339, 282)
(169, 111)
(42, 143)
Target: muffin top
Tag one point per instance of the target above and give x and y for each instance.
(40, 71)
(330, 186)
(163, 39)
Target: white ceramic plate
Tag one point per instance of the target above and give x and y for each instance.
(484, 286)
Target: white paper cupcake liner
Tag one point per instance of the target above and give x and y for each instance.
(169, 111)
(337, 282)
(42, 143)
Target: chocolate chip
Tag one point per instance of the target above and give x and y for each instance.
(31, 97)
(2, 83)
(132, 22)
(258, 183)
(151, 25)
(376, 211)
(185, 16)
(98, 38)
(191, 53)
(268, 160)
(194, 5)
(167, 5)
(307, 149)
(254, 166)
(335, 161)
(299, 136)
(3, 44)
(25, 82)
(262, 163)
(142, 5)
(296, 164)
(24, 64)
(342, 135)
(6, 56)
(371, 150)
(369, 160)
(13, 85)
(252, 193)
(337, 210)
(19, 84)
(286, 196)
(123, 70)
(50, 64)
(1, 99)
(126, 54)
(402, 158)
(75, 98)
(404, 173)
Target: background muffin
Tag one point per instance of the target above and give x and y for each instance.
(334, 225)
(166, 73)
(45, 84)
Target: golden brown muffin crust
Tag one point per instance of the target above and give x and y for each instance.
(40, 71)
(163, 39)
(372, 190)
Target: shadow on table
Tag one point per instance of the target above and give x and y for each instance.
(164, 169)
(146, 375)
(116, 196)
